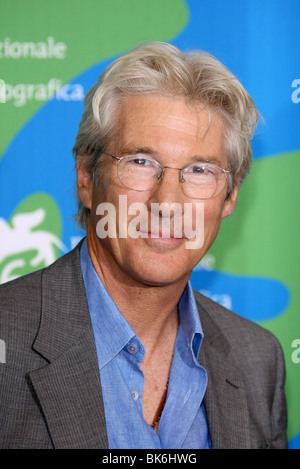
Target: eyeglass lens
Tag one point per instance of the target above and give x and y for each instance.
(200, 180)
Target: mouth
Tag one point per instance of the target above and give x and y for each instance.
(160, 234)
(162, 229)
(160, 240)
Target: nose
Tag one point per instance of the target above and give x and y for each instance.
(168, 189)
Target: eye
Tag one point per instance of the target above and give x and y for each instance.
(200, 170)
(139, 160)
(140, 165)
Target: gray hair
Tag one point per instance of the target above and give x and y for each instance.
(160, 68)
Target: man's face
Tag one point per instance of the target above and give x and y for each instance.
(173, 133)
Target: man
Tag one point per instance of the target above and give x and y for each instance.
(109, 347)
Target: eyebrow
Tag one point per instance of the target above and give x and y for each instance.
(206, 159)
(155, 154)
(136, 150)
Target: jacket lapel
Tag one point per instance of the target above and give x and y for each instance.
(68, 387)
(225, 399)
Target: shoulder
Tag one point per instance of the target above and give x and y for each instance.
(32, 282)
(242, 335)
(20, 305)
(252, 352)
(29, 302)
(21, 299)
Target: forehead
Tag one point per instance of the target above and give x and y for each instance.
(168, 126)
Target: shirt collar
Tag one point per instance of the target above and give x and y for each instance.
(190, 321)
(112, 331)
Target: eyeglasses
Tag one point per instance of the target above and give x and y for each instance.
(198, 181)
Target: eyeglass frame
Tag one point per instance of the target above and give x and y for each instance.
(226, 172)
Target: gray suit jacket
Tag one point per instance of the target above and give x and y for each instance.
(50, 391)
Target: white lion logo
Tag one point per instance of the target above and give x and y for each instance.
(22, 237)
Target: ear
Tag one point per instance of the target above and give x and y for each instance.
(84, 186)
(229, 204)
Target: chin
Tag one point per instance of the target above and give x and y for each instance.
(159, 273)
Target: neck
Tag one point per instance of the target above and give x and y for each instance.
(150, 310)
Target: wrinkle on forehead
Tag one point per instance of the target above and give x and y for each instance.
(198, 126)
(168, 126)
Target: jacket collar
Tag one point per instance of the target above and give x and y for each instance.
(68, 387)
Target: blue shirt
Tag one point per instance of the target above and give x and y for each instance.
(183, 424)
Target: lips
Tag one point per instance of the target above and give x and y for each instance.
(163, 228)
(161, 234)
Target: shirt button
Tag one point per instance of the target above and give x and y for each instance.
(132, 349)
(134, 395)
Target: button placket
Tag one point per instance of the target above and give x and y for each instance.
(135, 354)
